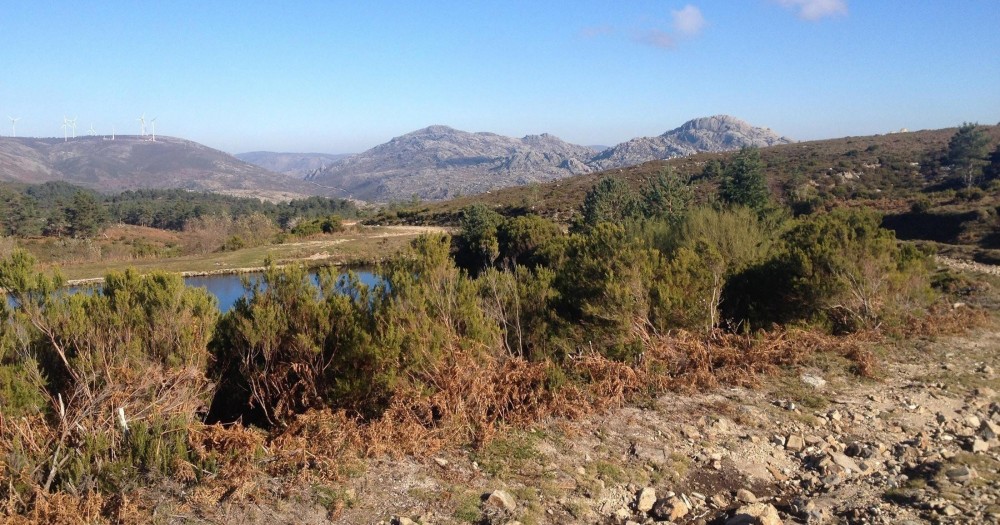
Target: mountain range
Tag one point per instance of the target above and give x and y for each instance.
(133, 162)
(440, 162)
(434, 163)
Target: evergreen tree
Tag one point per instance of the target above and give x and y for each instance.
(743, 182)
(477, 244)
(967, 150)
(610, 200)
(85, 216)
(666, 197)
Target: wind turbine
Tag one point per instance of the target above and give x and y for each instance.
(72, 124)
(13, 120)
(65, 126)
(152, 124)
(142, 124)
(92, 131)
(112, 133)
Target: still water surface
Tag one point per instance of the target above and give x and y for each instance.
(226, 288)
(229, 288)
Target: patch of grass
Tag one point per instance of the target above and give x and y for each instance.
(334, 499)
(987, 468)
(577, 508)
(679, 466)
(468, 508)
(507, 455)
(609, 472)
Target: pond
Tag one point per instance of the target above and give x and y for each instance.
(228, 288)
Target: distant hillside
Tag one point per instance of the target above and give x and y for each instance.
(717, 133)
(439, 162)
(887, 172)
(132, 162)
(292, 164)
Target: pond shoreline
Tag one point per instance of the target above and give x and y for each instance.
(92, 281)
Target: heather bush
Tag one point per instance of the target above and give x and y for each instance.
(841, 268)
(127, 357)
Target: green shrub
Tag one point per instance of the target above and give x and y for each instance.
(22, 390)
(282, 348)
(921, 205)
(844, 266)
(137, 349)
(519, 300)
(528, 240)
(603, 289)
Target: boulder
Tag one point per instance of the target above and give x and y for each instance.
(646, 499)
(756, 514)
(501, 499)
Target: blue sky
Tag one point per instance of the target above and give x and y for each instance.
(340, 77)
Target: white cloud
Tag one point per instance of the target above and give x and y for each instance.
(688, 21)
(816, 9)
(657, 38)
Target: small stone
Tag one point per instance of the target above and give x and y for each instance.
(979, 445)
(756, 514)
(403, 520)
(720, 500)
(646, 499)
(813, 380)
(746, 496)
(441, 462)
(670, 509)
(794, 443)
(951, 511)
(777, 474)
(581, 471)
(972, 421)
(690, 432)
(845, 462)
(501, 499)
(961, 474)
(989, 430)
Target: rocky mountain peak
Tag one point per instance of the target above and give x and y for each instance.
(715, 123)
(438, 162)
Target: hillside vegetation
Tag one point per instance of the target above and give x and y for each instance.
(110, 399)
(905, 176)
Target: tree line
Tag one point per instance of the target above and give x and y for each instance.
(60, 209)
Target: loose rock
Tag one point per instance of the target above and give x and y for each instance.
(646, 499)
(670, 509)
(756, 514)
(501, 499)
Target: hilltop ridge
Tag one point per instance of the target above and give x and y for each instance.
(134, 162)
(441, 162)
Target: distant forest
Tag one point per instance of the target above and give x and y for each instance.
(62, 209)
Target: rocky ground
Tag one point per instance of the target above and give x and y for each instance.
(814, 444)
